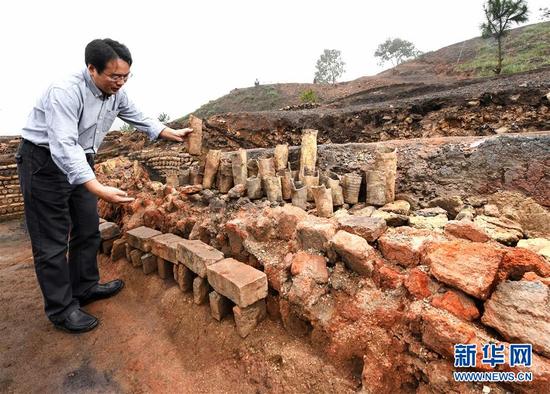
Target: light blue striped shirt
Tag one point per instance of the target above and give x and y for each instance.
(72, 118)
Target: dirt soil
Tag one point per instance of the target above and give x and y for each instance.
(151, 338)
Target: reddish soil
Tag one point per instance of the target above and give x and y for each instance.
(151, 338)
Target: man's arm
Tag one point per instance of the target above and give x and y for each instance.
(67, 154)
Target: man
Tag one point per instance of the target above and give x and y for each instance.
(55, 160)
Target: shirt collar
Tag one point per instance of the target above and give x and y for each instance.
(91, 84)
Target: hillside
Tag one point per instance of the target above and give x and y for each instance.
(526, 48)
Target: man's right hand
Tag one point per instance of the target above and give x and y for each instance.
(108, 193)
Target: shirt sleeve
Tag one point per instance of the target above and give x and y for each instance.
(62, 111)
(129, 113)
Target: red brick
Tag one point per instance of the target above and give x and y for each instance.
(458, 304)
(468, 266)
(239, 282)
(165, 246)
(109, 230)
(197, 256)
(140, 238)
(119, 249)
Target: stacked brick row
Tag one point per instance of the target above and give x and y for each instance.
(168, 164)
(225, 283)
(11, 199)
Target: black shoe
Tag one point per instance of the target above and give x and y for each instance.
(77, 322)
(100, 291)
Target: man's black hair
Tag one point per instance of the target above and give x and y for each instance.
(99, 52)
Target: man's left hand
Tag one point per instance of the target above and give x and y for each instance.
(175, 135)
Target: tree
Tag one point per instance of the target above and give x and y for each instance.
(500, 14)
(545, 13)
(163, 117)
(396, 51)
(329, 67)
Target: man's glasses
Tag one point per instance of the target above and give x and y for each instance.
(118, 77)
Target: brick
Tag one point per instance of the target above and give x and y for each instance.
(184, 277)
(135, 257)
(220, 306)
(109, 230)
(197, 255)
(149, 263)
(128, 251)
(247, 318)
(405, 245)
(358, 255)
(118, 250)
(468, 266)
(239, 282)
(366, 227)
(164, 268)
(106, 246)
(166, 246)
(140, 237)
(314, 233)
(200, 290)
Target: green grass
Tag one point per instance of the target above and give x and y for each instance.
(524, 50)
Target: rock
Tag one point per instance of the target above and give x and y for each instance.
(184, 277)
(476, 201)
(392, 219)
(502, 230)
(537, 245)
(466, 230)
(436, 223)
(119, 249)
(400, 207)
(491, 210)
(441, 331)
(466, 213)
(262, 228)
(532, 277)
(235, 230)
(135, 257)
(220, 306)
(197, 256)
(518, 261)
(287, 218)
(419, 284)
(314, 233)
(166, 246)
(404, 245)
(452, 205)
(292, 322)
(278, 272)
(457, 303)
(200, 290)
(468, 266)
(311, 265)
(358, 255)
(247, 318)
(367, 211)
(149, 263)
(108, 230)
(520, 311)
(368, 228)
(430, 212)
(165, 268)
(388, 278)
(237, 191)
(140, 237)
(239, 282)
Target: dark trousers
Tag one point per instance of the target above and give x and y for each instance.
(60, 218)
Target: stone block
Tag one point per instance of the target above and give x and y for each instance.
(118, 249)
(106, 246)
(247, 318)
(109, 230)
(128, 249)
(140, 237)
(165, 268)
(314, 233)
(200, 290)
(468, 266)
(366, 227)
(184, 277)
(220, 306)
(357, 254)
(166, 246)
(239, 282)
(135, 257)
(149, 263)
(197, 255)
